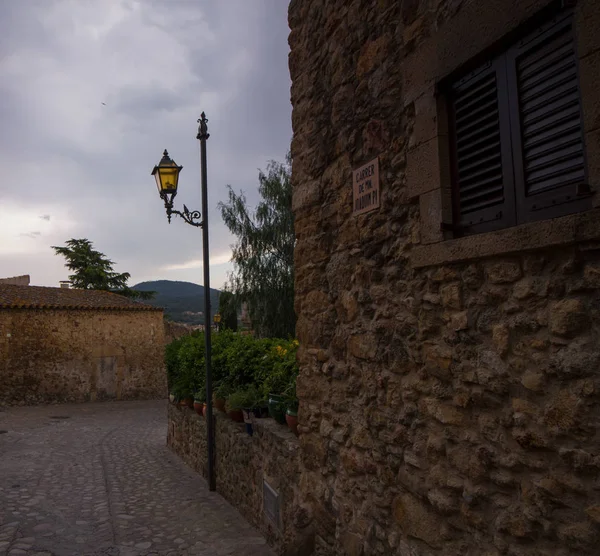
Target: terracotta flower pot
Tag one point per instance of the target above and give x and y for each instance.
(198, 407)
(291, 418)
(236, 415)
(204, 409)
(220, 404)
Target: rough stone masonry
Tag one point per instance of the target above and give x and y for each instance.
(68, 345)
(449, 388)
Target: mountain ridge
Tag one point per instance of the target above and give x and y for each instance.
(182, 301)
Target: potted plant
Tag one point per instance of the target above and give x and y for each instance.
(199, 398)
(259, 408)
(252, 401)
(253, 408)
(178, 396)
(280, 382)
(277, 407)
(183, 395)
(235, 402)
(220, 393)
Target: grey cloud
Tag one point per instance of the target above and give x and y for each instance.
(138, 102)
(65, 148)
(21, 26)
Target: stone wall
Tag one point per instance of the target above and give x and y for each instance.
(449, 389)
(174, 330)
(16, 280)
(80, 355)
(241, 464)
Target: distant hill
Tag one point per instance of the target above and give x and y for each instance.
(182, 301)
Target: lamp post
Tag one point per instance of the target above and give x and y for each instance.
(217, 320)
(166, 174)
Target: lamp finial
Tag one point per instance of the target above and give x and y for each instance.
(202, 128)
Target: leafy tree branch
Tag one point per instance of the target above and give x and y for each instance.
(263, 255)
(92, 270)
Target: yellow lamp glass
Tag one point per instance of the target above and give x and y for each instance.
(168, 179)
(166, 174)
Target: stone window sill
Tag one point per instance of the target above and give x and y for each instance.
(565, 230)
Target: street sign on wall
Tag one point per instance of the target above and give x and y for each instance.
(366, 187)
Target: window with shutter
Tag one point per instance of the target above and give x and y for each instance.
(483, 183)
(546, 122)
(517, 135)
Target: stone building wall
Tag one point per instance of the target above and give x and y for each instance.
(241, 464)
(449, 388)
(174, 330)
(80, 355)
(16, 280)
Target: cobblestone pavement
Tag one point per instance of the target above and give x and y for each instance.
(98, 479)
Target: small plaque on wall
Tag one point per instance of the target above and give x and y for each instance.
(366, 187)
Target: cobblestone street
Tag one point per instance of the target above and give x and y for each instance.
(98, 479)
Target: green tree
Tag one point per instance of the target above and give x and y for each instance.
(228, 310)
(92, 270)
(263, 255)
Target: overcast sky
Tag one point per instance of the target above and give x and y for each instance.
(92, 92)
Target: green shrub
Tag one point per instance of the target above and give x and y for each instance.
(172, 361)
(200, 396)
(243, 360)
(222, 390)
(190, 361)
(245, 398)
(240, 364)
(278, 375)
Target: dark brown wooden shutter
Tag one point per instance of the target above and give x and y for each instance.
(483, 190)
(546, 122)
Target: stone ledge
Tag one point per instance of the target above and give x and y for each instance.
(565, 230)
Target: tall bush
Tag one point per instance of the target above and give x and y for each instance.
(278, 374)
(239, 362)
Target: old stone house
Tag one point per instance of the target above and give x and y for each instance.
(446, 166)
(60, 344)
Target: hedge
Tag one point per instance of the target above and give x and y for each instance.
(243, 367)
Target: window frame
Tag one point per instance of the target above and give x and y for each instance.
(518, 208)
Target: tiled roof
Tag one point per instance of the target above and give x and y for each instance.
(36, 297)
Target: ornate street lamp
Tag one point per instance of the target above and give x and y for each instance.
(217, 320)
(166, 173)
